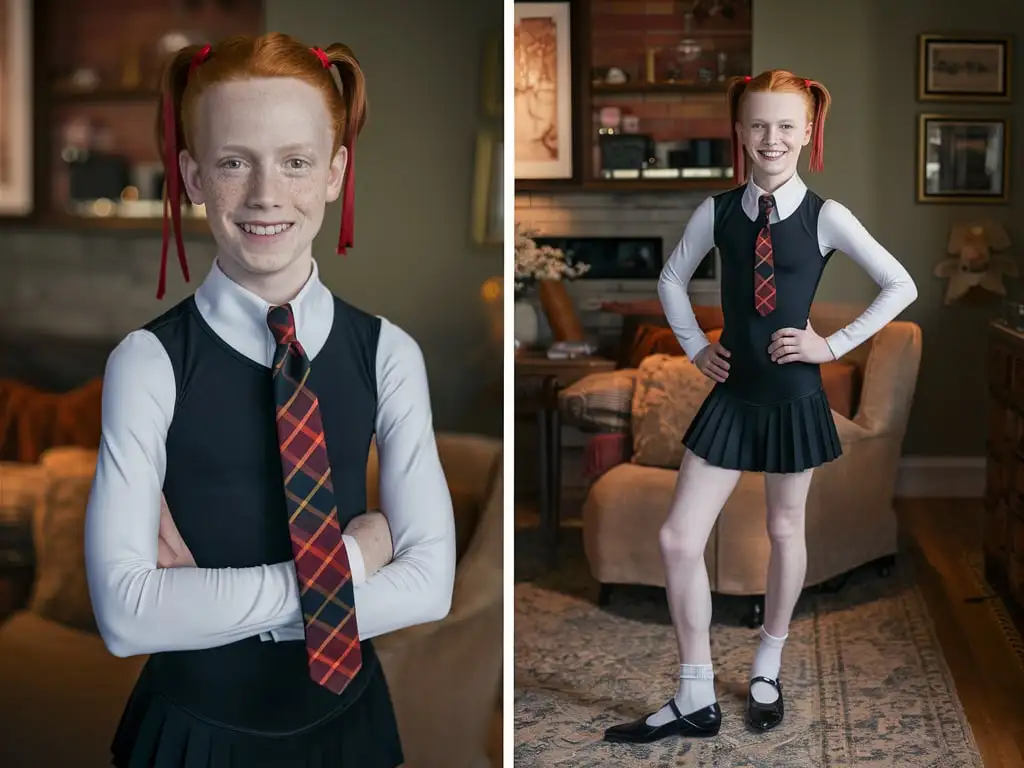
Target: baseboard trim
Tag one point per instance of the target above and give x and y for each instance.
(941, 477)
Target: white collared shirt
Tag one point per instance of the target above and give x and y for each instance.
(142, 609)
(838, 229)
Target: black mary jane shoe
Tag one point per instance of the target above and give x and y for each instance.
(764, 717)
(702, 723)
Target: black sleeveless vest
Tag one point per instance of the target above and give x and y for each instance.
(799, 266)
(224, 485)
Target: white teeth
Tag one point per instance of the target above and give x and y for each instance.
(256, 229)
(771, 154)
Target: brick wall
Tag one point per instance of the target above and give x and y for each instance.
(623, 31)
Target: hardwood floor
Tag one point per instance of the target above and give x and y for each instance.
(988, 672)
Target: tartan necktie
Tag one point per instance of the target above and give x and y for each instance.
(764, 261)
(321, 561)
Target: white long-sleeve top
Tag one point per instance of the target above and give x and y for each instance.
(838, 229)
(142, 609)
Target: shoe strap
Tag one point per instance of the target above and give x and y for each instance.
(762, 679)
(675, 709)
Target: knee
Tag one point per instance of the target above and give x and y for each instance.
(678, 545)
(785, 524)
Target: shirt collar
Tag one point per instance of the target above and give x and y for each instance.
(787, 198)
(239, 316)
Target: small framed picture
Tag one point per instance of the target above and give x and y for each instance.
(964, 68)
(963, 159)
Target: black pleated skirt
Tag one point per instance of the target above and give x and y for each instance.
(783, 437)
(157, 733)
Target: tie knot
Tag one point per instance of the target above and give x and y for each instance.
(282, 323)
(767, 204)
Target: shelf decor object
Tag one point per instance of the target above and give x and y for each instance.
(16, 113)
(543, 91)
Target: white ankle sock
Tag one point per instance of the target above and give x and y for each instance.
(767, 662)
(696, 691)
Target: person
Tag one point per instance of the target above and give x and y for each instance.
(227, 534)
(766, 411)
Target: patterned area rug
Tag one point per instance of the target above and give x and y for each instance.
(864, 677)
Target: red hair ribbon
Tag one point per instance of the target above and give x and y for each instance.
(746, 79)
(345, 236)
(322, 56)
(807, 83)
(171, 176)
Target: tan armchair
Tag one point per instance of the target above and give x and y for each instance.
(62, 693)
(850, 517)
(445, 677)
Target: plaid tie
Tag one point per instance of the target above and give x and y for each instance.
(321, 562)
(764, 261)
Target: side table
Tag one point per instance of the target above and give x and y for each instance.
(538, 382)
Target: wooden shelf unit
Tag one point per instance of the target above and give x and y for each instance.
(118, 42)
(678, 102)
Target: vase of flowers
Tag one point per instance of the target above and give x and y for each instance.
(544, 268)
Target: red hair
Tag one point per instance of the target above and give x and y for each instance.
(195, 68)
(780, 81)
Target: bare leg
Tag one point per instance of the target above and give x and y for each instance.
(787, 566)
(701, 492)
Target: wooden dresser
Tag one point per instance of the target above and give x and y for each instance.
(1004, 483)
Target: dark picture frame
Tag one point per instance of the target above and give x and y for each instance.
(965, 69)
(963, 159)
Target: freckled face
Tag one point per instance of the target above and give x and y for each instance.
(773, 127)
(264, 170)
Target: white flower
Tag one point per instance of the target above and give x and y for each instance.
(535, 262)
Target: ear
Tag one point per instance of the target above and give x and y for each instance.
(738, 127)
(193, 181)
(337, 174)
(808, 131)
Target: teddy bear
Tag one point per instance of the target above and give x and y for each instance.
(974, 263)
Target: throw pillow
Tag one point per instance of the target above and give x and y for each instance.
(61, 591)
(22, 489)
(652, 340)
(669, 391)
(600, 402)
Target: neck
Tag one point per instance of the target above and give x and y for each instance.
(771, 183)
(276, 287)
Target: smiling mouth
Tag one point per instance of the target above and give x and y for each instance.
(264, 230)
(771, 154)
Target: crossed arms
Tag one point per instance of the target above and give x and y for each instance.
(142, 608)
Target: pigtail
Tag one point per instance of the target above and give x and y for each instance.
(353, 94)
(737, 87)
(822, 102)
(170, 138)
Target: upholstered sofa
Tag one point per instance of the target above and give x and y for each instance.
(850, 517)
(61, 692)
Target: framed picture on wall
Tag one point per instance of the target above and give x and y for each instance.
(542, 92)
(963, 159)
(488, 221)
(16, 107)
(964, 68)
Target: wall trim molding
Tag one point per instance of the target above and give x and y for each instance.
(941, 477)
